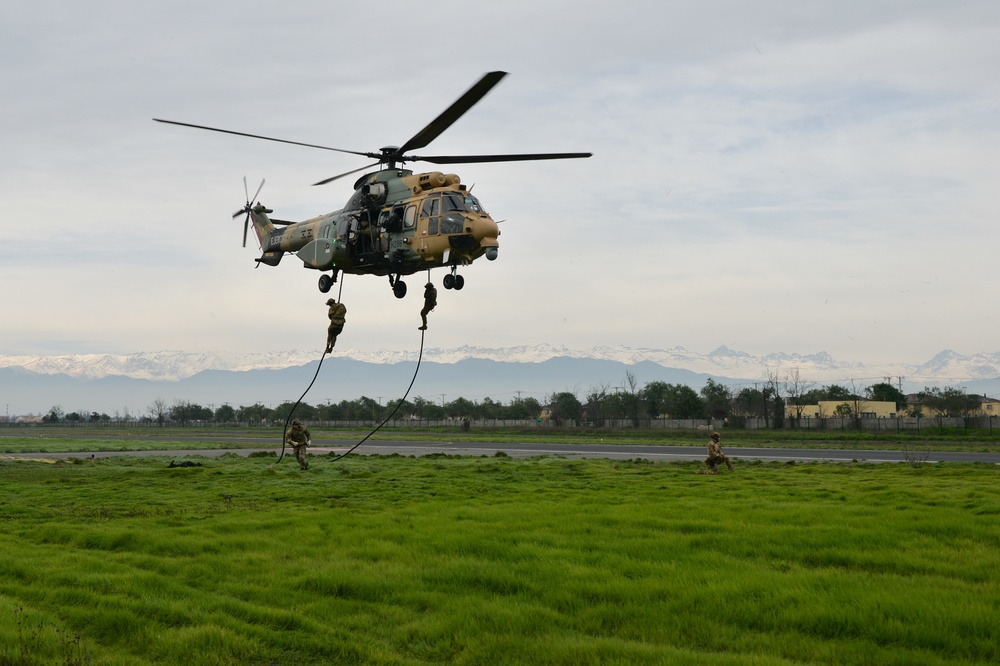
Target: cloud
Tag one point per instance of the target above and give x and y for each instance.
(772, 176)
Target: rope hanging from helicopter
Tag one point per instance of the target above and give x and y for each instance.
(398, 404)
(288, 419)
(420, 356)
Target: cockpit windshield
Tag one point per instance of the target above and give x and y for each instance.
(460, 202)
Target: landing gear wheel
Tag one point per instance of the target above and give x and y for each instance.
(399, 289)
(325, 282)
(449, 281)
(459, 282)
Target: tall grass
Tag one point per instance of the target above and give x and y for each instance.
(497, 560)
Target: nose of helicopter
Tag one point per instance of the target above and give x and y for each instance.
(485, 231)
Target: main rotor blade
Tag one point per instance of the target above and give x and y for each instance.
(267, 138)
(346, 173)
(452, 113)
(258, 191)
(472, 159)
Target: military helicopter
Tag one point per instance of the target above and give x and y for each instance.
(398, 222)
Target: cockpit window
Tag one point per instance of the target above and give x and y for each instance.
(472, 204)
(452, 202)
(460, 202)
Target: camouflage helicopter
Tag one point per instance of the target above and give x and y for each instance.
(397, 222)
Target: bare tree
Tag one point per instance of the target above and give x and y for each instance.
(858, 403)
(795, 387)
(596, 405)
(772, 391)
(159, 410)
(630, 397)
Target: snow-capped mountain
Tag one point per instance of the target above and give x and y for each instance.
(167, 365)
(127, 384)
(947, 367)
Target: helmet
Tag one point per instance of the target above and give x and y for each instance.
(714, 435)
(296, 422)
(330, 301)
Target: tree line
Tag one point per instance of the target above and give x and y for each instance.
(627, 401)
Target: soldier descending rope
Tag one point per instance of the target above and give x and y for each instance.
(337, 314)
(430, 300)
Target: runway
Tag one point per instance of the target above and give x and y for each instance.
(526, 450)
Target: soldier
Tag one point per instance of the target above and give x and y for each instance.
(298, 437)
(430, 300)
(337, 314)
(715, 455)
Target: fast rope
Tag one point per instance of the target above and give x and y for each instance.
(395, 409)
(398, 404)
(288, 419)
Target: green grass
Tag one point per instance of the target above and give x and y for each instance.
(497, 560)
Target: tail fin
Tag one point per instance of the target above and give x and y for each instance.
(262, 225)
(264, 228)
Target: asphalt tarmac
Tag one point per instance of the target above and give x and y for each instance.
(527, 450)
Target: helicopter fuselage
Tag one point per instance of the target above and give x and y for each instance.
(397, 223)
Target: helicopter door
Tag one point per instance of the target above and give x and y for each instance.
(432, 212)
(427, 222)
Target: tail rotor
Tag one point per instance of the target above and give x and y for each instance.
(248, 207)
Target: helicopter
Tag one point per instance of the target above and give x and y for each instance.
(397, 222)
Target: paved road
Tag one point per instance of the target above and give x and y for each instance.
(524, 450)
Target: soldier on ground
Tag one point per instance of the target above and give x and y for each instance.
(430, 300)
(298, 437)
(715, 455)
(337, 314)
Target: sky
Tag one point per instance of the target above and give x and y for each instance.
(770, 176)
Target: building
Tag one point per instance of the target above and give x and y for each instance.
(866, 409)
(917, 403)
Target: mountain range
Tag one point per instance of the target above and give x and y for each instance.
(119, 384)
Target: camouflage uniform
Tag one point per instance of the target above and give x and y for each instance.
(337, 314)
(430, 300)
(715, 455)
(299, 438)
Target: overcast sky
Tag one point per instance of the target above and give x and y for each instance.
(770, 176)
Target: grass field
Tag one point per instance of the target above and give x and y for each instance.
(496, 560)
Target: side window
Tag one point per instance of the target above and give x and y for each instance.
(431, 207)
(396, 217)
(410, 217)
(432, 211)
(391, 219)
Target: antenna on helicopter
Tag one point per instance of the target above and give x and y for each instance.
(247, 207)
